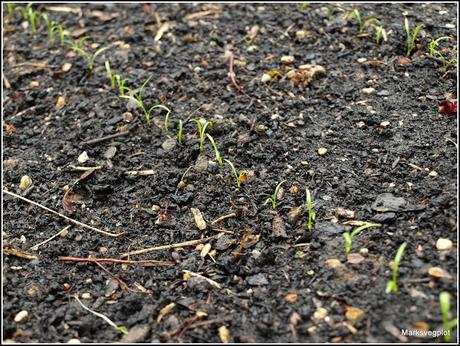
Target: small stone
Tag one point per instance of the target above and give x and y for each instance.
(21, 316)
(319, 314)
(86, 295)
(345, 213)
(34, 84)
(287, 59)
(355, 258)
(368, 91)
(198, 217)
(383, 93)
(127, 117)
(83, 157)
(439, 273)
(444, 244)
(110, 152)
(25, 182)
(261, 128)
(364, 251)
(257, 280)
(156, 208)
(73, 341)
(384, 218)
(433, 174)
(333, 263)
(169, 144)
(278, 228)
(103, 249)
(66, 67)
(300, 34)
(60, 103)
(322, 151)
(360, 124)
(354, 314)
(384, 123)
(361, 60)
(265, 78)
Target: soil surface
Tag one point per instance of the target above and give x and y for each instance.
(364, 135)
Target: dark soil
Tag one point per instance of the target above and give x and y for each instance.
(274, 286)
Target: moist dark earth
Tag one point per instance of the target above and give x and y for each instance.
(390, 158)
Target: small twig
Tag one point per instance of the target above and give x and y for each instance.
(84, 169)
(182, 178)
(169, 246)
(105, 138)
(120, 281)
(211, 282)
(63, 216)
(35, 247)
(219, 219)
(141, 173)
(221, 230)
(231, 73)
(114, 260)
(15, 252)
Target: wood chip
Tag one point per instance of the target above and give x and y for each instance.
(198, 217)
(164, 27)
(439, 273)
(60, 103)
(353, 314)
(205, 250)
(66, 67)
(18, 253)
(355, 258)
(224, 334)
(333, 263)
(25, 182)
(345, 213)
(278, 227)
(164, 311)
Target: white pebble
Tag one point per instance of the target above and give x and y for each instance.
(368, 91)
(322, 151)
(83, 157)
(444, 244)
(384, 123)
(21, 316)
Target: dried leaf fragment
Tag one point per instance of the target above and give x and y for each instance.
(60, 103)
(199, 221)
(353, 314)
(439, 273)
(166, 310)
(224, 334)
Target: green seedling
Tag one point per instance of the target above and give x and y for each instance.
(433, 52)
(32, 16)
(363, 22)
(435, 43)
(449, 325)
(9, 7)
(239, 175)
(216, 151)
(380, 35)
(179, 131)
(310, 211)
(115, 80)
(304, 6)
(110, 74)
(392, 285)
(348, 237)
(201, 132)
(79, 49)
(122, 329)
(272, 199)
(411, 36)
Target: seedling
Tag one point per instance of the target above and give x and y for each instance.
(110, 74)
(433, 52)
(348, 237)
(449, 325)
(9, 7)
(216, 151)
(30, 15)
(392, 285)
(136, 97)
(411, 36)
(179, 131)
(78, 47)
(54, 27)
(122, 329)
(201, 132)
(311, 212)
(272, 199)
(435, 43)
(304, 6)
(380, 34)
(239, 175)
(363, 22)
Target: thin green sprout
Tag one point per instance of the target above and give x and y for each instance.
(348, 237)
(122, 329)
(363, 23)
(10, 7)
(179, 131)
(272, 199)
(201, 132)
(311, 212)
(411, 37)
(392, 285)
(110, 74)
(435, 43)
(238, 175)
(216, 151)
(449, 325)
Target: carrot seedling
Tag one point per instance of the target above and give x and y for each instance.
(411, 36)
(310, 211)
(348, 237)
(216, 151)
(392, 285)
(9, 7)
(179, 131)
(363, 22)
(122, 329)
(201, 132)
(380, 35)
(79, 49)
(272, 199)
(449, 325)
(239, 175)
(32, 16)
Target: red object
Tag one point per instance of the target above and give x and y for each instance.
(448, 107)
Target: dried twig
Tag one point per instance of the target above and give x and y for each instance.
(15, 252)
(63, 216)
(169, 246)
(211, 282)
(35, 247)
(81, 168)
(114, 260)
(141, 173)
(219, 219)
(105, 138)
(120, 281)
